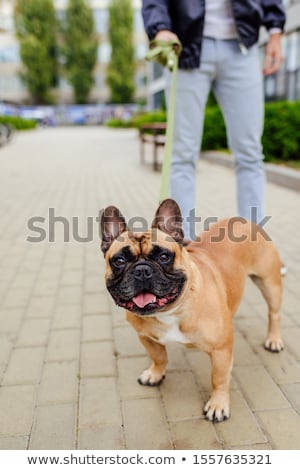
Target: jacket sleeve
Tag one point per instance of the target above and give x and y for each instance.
(156, 16)
(274, 14)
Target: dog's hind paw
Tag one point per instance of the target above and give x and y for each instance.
(274, 345)
(151, 378)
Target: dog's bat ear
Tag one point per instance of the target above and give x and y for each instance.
(111, 226)
(168, 219)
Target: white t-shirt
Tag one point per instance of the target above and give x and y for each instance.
(219, 21)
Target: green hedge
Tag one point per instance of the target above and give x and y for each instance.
(214, 133)
(138, 119)
(281, 138)
(18, 123)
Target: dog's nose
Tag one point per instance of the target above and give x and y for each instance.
(142, 271)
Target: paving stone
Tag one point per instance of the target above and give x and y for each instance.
(283, 368)
(291, 339)
(21, 281)
(69, 295)
(45, 287)
(24, 366)
(34, 332)
(282, 427)
(260, 390)
(54, 427)
(106, 437)
(265, 446)
(99, 403)
(7, 274)
(253, 329)
(16, 410)
(10, 319)
(67, 317)
(40, 307)
(145, 425)
(243, 353)
(96, 328)
(31, 266)
(58, 383)
(194, 434)
(93, 285)
(4, 286)
(49, 272)
(127, 342)
(17, 297)
(97, 359)
(73, 263)
(95, 303)
(292, 392)
(175, 389)
(14, 443)
(290, 303)
(7, 341)
(63, 345)
(117, 314)
(71, 278)
(176, 358)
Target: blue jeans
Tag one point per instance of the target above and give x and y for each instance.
(236, 81)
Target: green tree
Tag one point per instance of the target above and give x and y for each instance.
(80, 48)
(120, 74)
(36, 27)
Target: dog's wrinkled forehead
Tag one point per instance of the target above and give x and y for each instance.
(142, 243)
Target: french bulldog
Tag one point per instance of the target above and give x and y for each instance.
(188, 292)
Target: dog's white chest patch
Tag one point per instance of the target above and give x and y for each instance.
(173, 333)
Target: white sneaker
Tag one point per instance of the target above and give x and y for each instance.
(283, 269)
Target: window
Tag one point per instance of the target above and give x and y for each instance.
(292, 51)
(104, 53)
(11, 85)
(10, 54)
(101, 21)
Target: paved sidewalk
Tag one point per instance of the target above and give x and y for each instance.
(68, 360)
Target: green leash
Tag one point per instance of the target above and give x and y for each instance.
(166, 53)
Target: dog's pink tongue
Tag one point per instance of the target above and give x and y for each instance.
(143, 299)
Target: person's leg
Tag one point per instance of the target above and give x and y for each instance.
(191, 95)
(239, 90)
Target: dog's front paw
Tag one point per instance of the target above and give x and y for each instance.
(274, 344)
(151, 377)
(217, 408)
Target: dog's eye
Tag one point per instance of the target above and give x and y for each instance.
(164, 258)
(119, 262)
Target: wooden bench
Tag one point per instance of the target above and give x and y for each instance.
(154, 133)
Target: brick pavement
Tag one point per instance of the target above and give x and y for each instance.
(69, 361)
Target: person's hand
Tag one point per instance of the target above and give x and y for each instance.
(166, 35)
(273, 55)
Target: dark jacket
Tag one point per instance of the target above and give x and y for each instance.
(186, 19)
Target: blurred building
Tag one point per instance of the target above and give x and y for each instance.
(11, 87)
(286, 83)
(281, 86)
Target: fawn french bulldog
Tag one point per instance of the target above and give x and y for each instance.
(189, 292)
